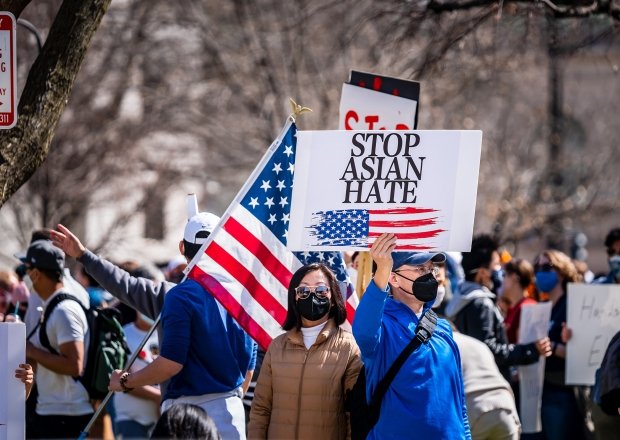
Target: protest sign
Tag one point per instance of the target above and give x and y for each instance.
(351, 186)
(593, 315)
(13, 391)
(364, 109)
(533, 326)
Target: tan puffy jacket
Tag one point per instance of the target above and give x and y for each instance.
(300, 392)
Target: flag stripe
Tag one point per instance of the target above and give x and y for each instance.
(258, 248)
(245, 278)
(409, 210)
(402, 223)
(234, 308)
(263, 317)
(412, 235)
(248, 260)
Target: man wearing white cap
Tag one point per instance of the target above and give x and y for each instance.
(426, 398)
(205, 356)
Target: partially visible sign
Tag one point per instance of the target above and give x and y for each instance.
(8, 71)
(532, 327)
(351, 186)
(593, 315)
(374, 102)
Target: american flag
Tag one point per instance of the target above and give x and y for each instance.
(244, 263)
(361, 227)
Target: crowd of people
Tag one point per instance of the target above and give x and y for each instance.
(458, 381)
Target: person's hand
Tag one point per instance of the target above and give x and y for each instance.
(381, 252)
(26, 375)
(64, 239)
(30, 350)
(115, 381)
(566, 334)
(544, 347)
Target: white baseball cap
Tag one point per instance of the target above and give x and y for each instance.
(203, 221)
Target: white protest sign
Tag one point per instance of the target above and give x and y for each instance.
(533, 326)
(365, 109)
(12, 390)
(351, 186)
(593, 315)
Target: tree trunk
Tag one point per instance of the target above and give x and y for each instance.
(47, 90)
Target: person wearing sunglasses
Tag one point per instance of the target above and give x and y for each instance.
(307, 371)
(426, 398)
(562, 417)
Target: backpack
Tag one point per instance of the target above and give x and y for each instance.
(107, 348)
(363, 416)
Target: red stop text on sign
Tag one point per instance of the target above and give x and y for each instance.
(353, 121)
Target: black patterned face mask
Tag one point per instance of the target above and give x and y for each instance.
(313, 307)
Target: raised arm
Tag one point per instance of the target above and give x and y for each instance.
(142, 294)
(369, 313)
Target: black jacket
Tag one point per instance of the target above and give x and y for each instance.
(479, 317)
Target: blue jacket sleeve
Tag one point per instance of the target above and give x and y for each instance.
(368, 319)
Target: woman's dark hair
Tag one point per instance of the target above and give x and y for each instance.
(523, 269)
(185, 421)
(337, 311)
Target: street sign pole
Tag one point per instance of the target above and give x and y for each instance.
(8, 71)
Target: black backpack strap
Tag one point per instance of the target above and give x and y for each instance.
(423, 333)
(49, 308)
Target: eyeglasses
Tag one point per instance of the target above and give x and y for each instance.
(546, 267)
(304, 292)
(423, 270)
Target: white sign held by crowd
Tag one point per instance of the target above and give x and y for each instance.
(593, 315)
(351, 186)
(533, 326)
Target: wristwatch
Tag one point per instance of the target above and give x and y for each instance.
(123, 382)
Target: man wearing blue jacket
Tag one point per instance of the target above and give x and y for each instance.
(426, 398)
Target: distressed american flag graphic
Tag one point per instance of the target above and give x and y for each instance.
(360, 227)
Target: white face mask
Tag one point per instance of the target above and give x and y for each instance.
(441, 293)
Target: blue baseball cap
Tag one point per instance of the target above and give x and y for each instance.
(416, 258)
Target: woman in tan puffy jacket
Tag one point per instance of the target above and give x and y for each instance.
(307, 370)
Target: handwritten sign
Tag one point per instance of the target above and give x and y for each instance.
(593, 315)
(351, 186)
(533, 326)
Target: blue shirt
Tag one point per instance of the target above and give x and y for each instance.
(215, 359)
(426, 400)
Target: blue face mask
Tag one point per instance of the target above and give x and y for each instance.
(546, 281)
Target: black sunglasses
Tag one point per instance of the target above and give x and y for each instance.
(304, 292)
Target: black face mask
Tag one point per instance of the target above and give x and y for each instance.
(313, 308)
(424, 287)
